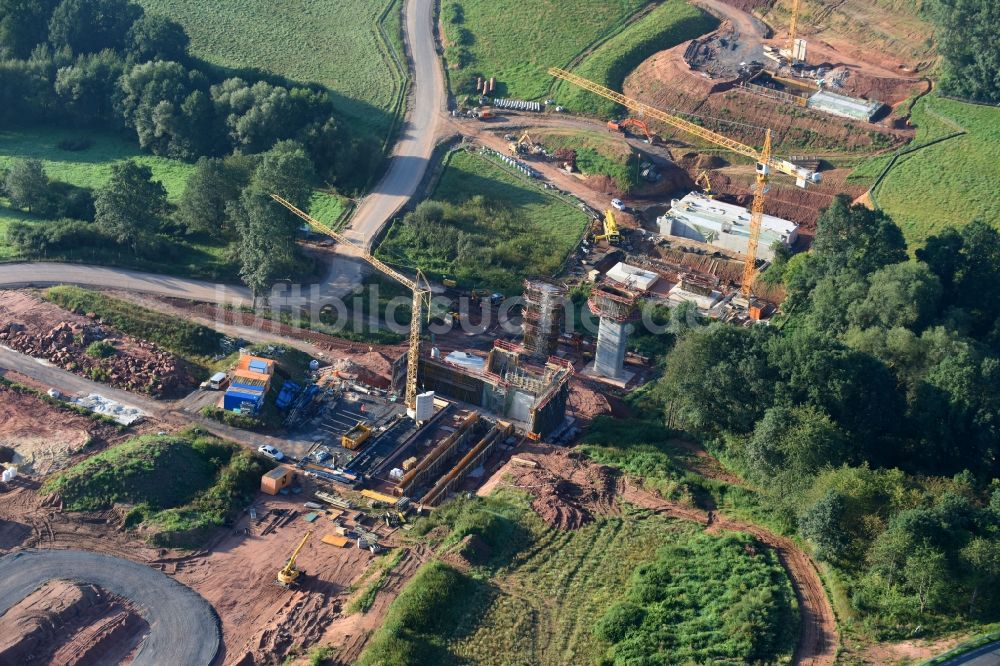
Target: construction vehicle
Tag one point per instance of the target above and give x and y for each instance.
(419, 286)
(624, 125)
(356, 436)
(703, 180)
(611, 233)
(525, 146)
(289, 575)
(764, 161)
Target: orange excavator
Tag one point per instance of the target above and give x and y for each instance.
(624, 125)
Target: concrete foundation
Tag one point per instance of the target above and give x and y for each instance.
(609, 360)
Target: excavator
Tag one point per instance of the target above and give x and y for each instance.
(702, 179)
(289, 575)
(624, 125)
(611, 233)
(524, 146)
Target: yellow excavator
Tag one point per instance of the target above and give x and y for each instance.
(703, 180)
(611, 233)
(289, 575)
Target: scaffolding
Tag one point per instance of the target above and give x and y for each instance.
(544, 314)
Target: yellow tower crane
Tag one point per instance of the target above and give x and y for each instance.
(765, 161)
(288, 574)
(419, 287)
(794, 54)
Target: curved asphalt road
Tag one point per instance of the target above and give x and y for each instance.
(417, 138)
(988, 655)
(183, 627)
(410, 160)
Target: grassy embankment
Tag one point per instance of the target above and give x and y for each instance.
(538, 595)
(91, 167)
(498, 227)
(670, 24)
(338, 45)
(516, 41)
(169, 508)
(949, 183)
(597, 154)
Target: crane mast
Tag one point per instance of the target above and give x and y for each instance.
(764, 160)
(421, 295)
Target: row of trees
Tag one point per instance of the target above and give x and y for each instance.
(226, 200)
(966, 32)
(106, 63)
(869, 416)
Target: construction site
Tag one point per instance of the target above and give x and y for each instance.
(720, 155)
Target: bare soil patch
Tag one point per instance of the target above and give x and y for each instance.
(69, 623)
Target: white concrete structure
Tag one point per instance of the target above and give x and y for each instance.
(633, 277)
(724, 225)
(844, 106)
(609, 361)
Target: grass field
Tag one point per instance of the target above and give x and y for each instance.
(597, 153)
(518, 41)
(515, 230)
(668, 25)
(172, 509)
(536, 595)
(90, 167)
(336, 44)
(946, 184)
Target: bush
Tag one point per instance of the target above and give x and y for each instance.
(100, 349)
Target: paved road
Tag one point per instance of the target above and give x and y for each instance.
(419, 133)
(44, 274)
(183, 626)
(988, 655)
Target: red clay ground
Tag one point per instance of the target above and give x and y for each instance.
(68, 623)
(36, 328)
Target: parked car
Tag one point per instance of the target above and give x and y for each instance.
(618, 204)
(270, 452)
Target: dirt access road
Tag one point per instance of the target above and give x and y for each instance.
(184, 628)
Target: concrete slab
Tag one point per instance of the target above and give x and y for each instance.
(622, 382)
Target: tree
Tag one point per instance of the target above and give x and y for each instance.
(266, 229)
(790, 444)
(719, 379)
(967, 42)
(856, 238)
(822, 524)
(981, 560)
(23, 25)
(26, 184)
(88, 26)
(87, 88)
(131, 204)
(156, 37)
(214, 185)
(150, 98)
(926, 576)
(905, 294)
